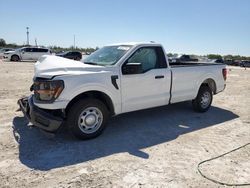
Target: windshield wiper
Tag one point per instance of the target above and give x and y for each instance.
(90, 63)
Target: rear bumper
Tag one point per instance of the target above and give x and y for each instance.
(39, 117)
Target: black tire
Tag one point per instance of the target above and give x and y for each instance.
(77, 58)
(82, 110)
(203, 100)
(14, 58)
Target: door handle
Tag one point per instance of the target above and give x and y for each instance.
(159, 77)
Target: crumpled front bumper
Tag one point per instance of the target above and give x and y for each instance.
(39, 117)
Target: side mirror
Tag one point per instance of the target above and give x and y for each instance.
(132, 68)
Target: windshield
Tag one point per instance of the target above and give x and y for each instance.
(18, 49)
(108, 55)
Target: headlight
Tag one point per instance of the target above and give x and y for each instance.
(47, 90)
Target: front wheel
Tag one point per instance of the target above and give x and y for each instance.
(15, 58)
(203, 100)
(87, 118)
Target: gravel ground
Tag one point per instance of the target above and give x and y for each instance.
(159, 147)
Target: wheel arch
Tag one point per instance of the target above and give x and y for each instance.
(106, 99)
(210, 83)
(15, 55)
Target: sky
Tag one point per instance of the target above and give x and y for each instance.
(183, 26)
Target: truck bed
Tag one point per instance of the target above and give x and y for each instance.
(190, 64)
(187, 78)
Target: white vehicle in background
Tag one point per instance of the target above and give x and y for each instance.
(27, 53)
(113, 80)
(5, 50)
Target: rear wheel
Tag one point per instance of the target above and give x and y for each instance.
(15, 58)
(87, 118)
(77, 58)
(203, 100)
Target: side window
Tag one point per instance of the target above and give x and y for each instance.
(35, 50)
(27, 50)
(146, 56)
(42, 50)
(32, 49)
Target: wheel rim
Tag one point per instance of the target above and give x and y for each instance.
(90, 120)
(205, 99)
(14, 58)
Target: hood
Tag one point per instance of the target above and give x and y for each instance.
(9, 52)
(49, 66)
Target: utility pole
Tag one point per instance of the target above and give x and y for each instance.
(27, 36)
(74, 42)
(35, 41)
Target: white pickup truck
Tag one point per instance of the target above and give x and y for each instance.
(115, 79)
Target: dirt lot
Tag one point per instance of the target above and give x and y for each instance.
(160, 147)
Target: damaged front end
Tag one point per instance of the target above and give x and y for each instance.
(45, 91)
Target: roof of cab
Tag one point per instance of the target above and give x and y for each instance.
(133, 43)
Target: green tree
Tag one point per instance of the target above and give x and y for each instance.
(170, 55)
(214, 56)
(228, 57)
(2, 42)
(237, 57)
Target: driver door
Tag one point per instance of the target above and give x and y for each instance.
(148, 87)
(26, 53)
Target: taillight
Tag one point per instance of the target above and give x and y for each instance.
(224, 73)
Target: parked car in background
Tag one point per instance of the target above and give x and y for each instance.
(218, 61)
(27, 53)
(245, 63)
(183, 59)
(71, 55)
(232, 62)
(229, 61)
(5, 50)
(237, 62)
